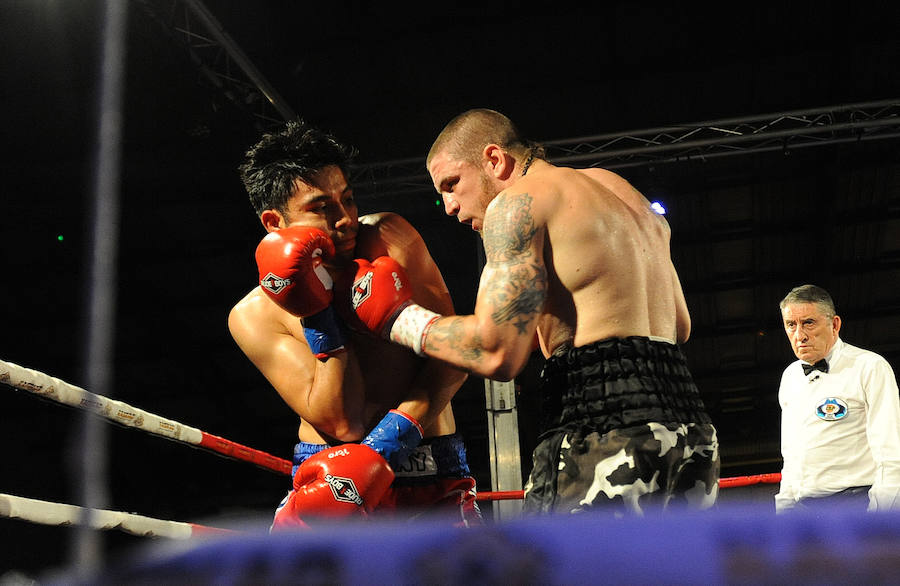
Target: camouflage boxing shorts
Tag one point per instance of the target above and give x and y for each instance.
(624, 429)
(631, 470)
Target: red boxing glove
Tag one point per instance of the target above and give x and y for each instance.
(380, 298)
(379, 293)
(291, 271)
(345, 481)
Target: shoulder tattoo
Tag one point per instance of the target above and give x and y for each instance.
(510, 228)
(516, 282)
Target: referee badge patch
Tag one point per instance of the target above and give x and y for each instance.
(831, 409)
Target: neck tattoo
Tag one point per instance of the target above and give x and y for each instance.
(528, 161)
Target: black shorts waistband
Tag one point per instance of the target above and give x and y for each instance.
(619, 382)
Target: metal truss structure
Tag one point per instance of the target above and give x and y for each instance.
(223, 64)
(782, 131)
(219, 59)
(704, 140)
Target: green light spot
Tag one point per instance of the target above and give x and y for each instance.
(60, 237)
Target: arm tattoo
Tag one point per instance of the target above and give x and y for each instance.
(510, 229)
(453, 336)
(520, 291)
(516, 281)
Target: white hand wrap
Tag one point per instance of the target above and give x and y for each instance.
(411, 327)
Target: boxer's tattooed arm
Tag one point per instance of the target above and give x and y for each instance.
(511, 294)
(516, 291)
(515, 279)
(451, 334)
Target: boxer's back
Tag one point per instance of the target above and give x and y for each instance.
(609, 262)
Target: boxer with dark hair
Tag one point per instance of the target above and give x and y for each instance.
(377, 432)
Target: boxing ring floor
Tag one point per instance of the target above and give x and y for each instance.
(729, 545)
(740, 541)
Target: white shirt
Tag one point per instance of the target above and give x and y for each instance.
(840, 429)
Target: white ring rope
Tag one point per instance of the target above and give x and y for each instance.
(57, 390)
(58, 514)
(52, 388)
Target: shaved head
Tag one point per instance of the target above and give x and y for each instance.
(465, 136)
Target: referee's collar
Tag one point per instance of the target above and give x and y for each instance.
(833, 354)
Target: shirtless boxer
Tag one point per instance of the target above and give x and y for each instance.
(578, 260)
(345, 386)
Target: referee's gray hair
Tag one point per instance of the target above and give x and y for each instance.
(810, 294)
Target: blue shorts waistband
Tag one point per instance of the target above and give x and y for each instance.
(443, 455)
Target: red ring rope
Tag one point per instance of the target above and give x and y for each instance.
(736, 481)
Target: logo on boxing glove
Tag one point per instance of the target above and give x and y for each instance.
(362, 290)
(274, 284)
(343, 489)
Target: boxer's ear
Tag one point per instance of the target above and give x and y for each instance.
(497, 162)
(272, 220)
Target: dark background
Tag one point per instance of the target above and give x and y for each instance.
(746, 228)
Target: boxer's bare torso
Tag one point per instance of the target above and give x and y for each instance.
(608, 261)
(378, 375)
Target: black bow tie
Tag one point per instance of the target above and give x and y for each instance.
(820, 365)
